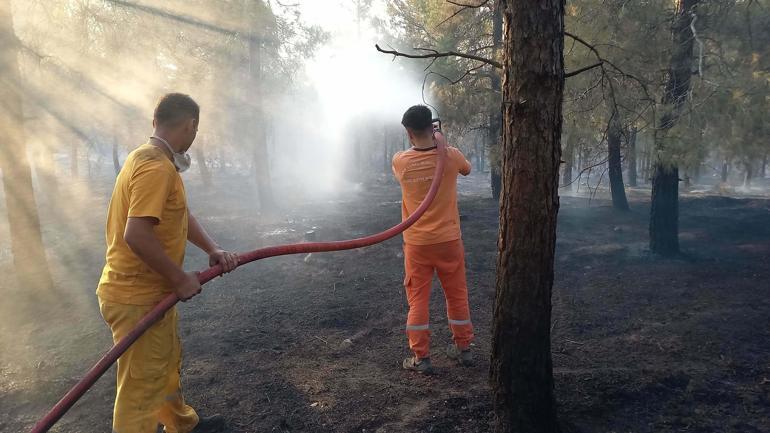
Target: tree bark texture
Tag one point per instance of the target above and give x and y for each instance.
(533, 80)
(664, 212)
(26, 239)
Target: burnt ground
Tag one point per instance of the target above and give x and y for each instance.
(313, 344)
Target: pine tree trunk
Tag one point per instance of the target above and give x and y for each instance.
(521, 367)
(665, 190)
(696, 173)
(568, 156)
(45, 171)
(386, 164)
(495, 121)
(115, 156)
(617, 188)
(477, 155)
(200, 159)
(74, 168)
(725, 170)
(261, 161)
(29, 256)
(748, 175)
(631, 157)
(664, 213)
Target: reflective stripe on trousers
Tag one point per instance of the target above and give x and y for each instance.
(446, 259)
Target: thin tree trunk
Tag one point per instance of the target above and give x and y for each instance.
(115, 156)
(26, 238)
(617, 188)
(521, 369)
(46, 175)
(200, 158)
(696, 173)
(261, 161)
(477, 155)
(568, 156)
(495, 121)
(664, 212)
(748, 175)
(631, 157)
(725, 170)
(385, 151)
(74, 168)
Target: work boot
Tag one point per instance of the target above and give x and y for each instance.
(421, 366)
(463, 357)
(210, 424)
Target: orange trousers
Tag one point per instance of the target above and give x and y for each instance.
(447, 259)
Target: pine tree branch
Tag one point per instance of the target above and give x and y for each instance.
(433, 54)
(436, 54)
(581, 70)
(463, 7)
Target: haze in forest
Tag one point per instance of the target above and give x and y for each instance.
(296, 106)
(615, 222)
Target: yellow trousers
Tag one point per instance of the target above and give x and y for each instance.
(148, 392)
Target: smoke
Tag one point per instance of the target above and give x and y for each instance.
(306, 80)
(352, 92)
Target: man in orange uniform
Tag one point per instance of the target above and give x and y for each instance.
(434, 243)
(148, 226)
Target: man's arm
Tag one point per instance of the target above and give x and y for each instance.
(464, 166)
(140, 237)
(201, 239)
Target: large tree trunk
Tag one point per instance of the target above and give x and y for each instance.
(665, 190)
(664, 213)
(26, 239)
(495, 121)
(631, 157)
(521, 370)
(617, 188)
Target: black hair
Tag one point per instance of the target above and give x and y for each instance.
(173, 108)
(418, 119)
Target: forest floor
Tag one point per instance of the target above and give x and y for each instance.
(314, 344)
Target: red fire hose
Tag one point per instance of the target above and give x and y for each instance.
(77, 391)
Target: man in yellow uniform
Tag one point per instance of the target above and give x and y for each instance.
(148, 225)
